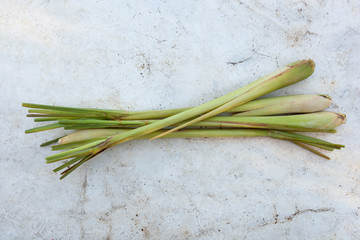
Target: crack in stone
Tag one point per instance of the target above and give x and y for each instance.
(260, 54)
(107, 217)
(292, 216)
(352, 30)
(82, 202)
(276, 215)
(265, 55)
(298, 212)
(241, 61)
(113, 209)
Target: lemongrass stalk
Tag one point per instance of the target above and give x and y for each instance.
(96, 134)
(86, 135)
(89, 136)
(302, 103)
(319, 121)
(284, 105)
(266, 106)
(283, 77)
(288, 75)
(154, 114)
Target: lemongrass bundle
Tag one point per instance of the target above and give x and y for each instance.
(311, 122)
(246, 116)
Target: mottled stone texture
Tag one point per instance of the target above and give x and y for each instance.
(163, 54)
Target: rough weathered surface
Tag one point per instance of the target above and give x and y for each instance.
(157, 55)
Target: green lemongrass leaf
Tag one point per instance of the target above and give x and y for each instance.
(64, 115)
(36, 115)
(310, 149)
(106, 122)
(71, 109)
(47, 111)
(50, 142)
(69, 115)
(154, 114)
(59, 111)
(96, 126)
(48, 119)
(44, 128)
(88, 126)
(71, 169)
(79, 151)
(68, 163)
(288, 75)
(319, 146)
(74, 144)
(303, 138)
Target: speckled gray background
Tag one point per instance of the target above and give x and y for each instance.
(141, 55)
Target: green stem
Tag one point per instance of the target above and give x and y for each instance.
(79, 151)
(68, 163)
(258, 107)
(320, 121)
(310, 149)
(50, 142)
(45, 128)
(71, 169)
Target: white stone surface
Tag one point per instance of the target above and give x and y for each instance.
(141, 55)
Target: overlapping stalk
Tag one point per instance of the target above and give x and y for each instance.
(258, 107)
(250, 117)
(311, 122)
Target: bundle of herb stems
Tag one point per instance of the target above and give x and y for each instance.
(240, 113)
